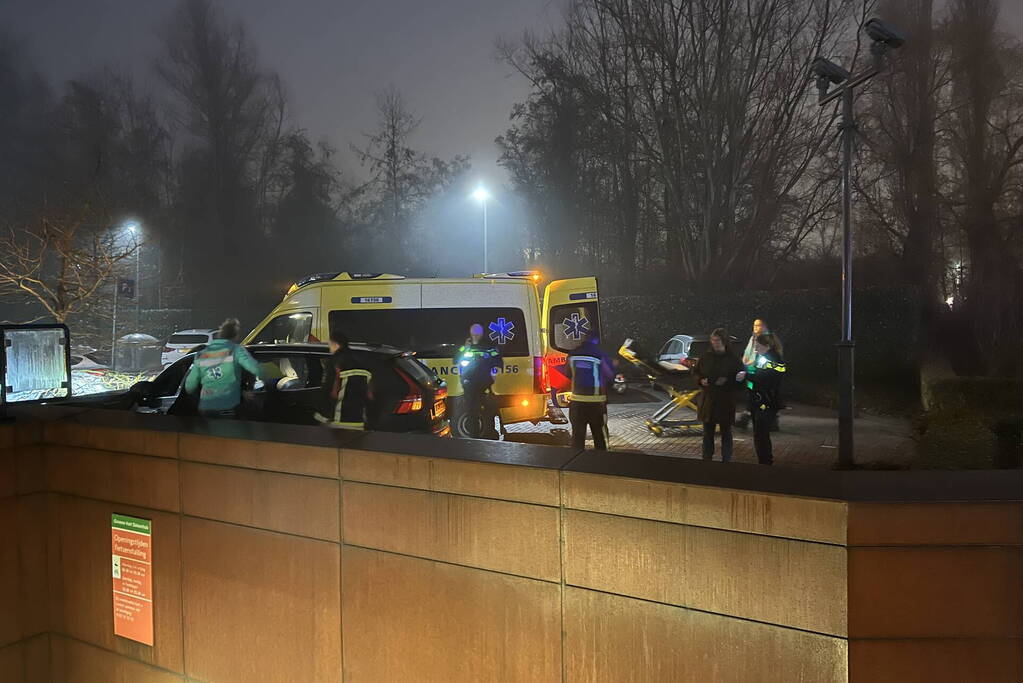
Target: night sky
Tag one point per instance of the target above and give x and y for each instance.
(333, 55)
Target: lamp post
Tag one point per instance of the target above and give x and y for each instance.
(827, 73)
(481, 195)
(133, 228)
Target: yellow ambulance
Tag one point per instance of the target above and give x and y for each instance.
(432, 316)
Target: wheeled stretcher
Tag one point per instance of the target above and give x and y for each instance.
(679, 411)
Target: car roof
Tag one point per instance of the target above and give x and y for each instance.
(196, 331)
(321, 348)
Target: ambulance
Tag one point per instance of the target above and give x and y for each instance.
(432, 316)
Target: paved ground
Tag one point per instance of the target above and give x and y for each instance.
(808, 436)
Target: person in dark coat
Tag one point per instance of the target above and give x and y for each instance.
(347, 390)
(763, 379)
(718, 373)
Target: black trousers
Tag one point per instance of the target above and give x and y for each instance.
(583, 414)
(726, 440)
(479, 407)
(763, 420)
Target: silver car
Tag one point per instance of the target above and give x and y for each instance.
(184, 341)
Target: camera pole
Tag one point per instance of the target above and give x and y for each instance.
(827, 73)
(846, 347)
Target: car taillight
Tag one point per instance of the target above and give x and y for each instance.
(413, 401)
(689, 362)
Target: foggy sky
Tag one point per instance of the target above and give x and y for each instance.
(333, 55)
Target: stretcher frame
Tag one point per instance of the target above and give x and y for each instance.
(681, 399)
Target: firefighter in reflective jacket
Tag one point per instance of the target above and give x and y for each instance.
(347, 388)
(591, 373)
(477, 362)
(763, 379)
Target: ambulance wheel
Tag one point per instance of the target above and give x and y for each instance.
(463, 426)
(461, 423)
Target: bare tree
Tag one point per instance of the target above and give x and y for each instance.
(986, 139)
(692, 119)
(233, 113)
(60, 262)
(402, 179)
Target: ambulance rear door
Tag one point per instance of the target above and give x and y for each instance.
(571, 313)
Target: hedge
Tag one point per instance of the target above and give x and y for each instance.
(886, 326)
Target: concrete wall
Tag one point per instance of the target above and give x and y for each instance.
(286, 554)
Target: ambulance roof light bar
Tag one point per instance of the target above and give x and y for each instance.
(533, 275)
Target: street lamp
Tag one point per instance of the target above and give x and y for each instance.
(827, 73)
(134, 229)
(481, 195)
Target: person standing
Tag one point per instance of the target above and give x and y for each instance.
(591, 372)
(477, 362)
(749, 355)
(717, 372)
(347, 392)
(217, 373)
(763, 379)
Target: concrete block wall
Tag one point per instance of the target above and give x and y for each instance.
(292, 554)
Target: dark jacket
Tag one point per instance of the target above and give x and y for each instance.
(591, 372)
(717, 400)
(763, 378)
(477, 363)
(347, 391)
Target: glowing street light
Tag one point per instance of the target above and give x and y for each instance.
(481, 195)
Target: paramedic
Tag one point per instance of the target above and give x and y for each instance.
(591, 373)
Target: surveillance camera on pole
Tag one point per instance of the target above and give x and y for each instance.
(827, 73)
(880, 32)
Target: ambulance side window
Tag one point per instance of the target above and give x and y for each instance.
(570, 324)
(291, 328)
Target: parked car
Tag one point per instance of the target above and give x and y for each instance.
(679, 354)
(183, 342)
(684, 350)
(408, 396)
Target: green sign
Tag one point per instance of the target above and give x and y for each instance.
(141, 526)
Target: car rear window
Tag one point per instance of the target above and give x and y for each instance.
(434, 332)
(417, 371)
(192, 339)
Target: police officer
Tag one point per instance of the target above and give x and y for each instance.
(348, 389)
(477, 362)
(763, 379)
(591, 373)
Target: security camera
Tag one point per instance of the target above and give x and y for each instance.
(880, 32)
(826, 69)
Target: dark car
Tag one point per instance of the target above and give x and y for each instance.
(407, 395)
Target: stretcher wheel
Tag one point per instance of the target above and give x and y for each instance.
(658, 431)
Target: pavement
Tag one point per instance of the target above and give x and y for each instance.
(808, 436)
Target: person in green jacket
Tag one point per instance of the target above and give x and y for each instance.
(217, 370)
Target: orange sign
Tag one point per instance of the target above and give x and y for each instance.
(131, 542)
